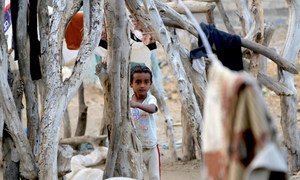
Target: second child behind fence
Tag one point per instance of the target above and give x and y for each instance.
(143, 108)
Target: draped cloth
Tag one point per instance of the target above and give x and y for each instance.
(35, 68)
(238, 132)
(226, 46)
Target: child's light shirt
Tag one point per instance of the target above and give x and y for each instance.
(145, 123)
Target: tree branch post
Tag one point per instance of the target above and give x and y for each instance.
(289, 103)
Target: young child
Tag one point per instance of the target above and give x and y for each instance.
(143, 106)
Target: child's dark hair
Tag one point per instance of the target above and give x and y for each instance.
(139, 68)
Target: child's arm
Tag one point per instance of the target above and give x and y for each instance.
(149, 108)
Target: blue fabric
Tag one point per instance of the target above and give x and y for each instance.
(226, 46)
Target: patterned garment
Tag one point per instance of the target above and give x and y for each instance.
(145, 123)
(238, 136)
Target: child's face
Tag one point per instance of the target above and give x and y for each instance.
(141, 84)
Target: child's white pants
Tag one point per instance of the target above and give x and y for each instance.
(151, 159)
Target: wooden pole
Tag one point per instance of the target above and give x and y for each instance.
(258, 48)
(194, 6)
(289, 103)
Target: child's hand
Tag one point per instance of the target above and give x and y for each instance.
(149, 108)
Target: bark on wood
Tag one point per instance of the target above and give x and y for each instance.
(199, 83)
(198, 80)
(268, 34)
(258, 48)
(194, 6)
(18, 90)
(188, 146)
(58, 93)
(114, 104)
(158, 91)
(209, 17)
(104, 128)
(245, 16)
(289, 103)
(10, 75)
(28, 169)
(274, 86)
(257, 10)
(187, 97)
(65, 154)
(1, 134)
(101, 71)
(124, 155)
(225, 18)
(11, 168)
(77, 140)
(67, 124)
(11, 159)
(82, 116)
(55, 101)
(3, 140)
(176, 18)
(30, 87)
(14, 126)
(16, 85)
(168, 22)
(281, 61)
(44, 29)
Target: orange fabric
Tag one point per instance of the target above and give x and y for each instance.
(74, 32)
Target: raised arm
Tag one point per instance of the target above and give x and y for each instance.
(149, 108)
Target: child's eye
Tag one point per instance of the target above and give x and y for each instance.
(138, 82)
